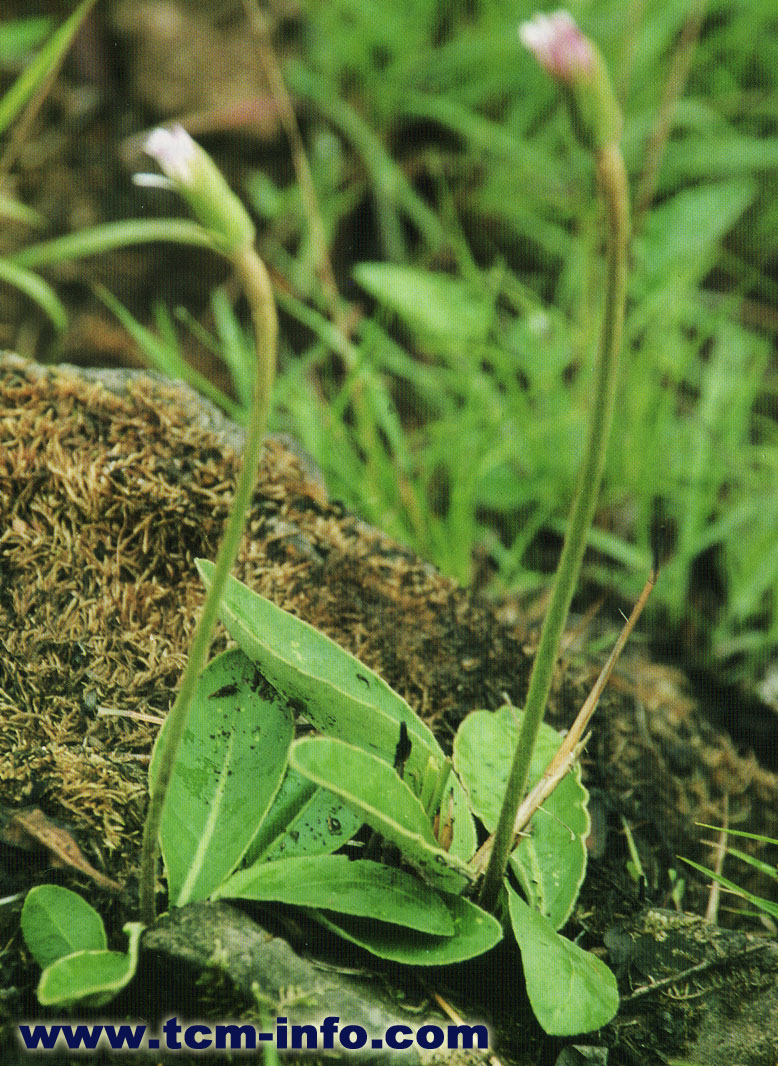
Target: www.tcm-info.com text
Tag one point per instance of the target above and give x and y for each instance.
(242, 1036)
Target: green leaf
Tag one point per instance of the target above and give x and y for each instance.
(164, 356)
(108, 237)
(432, 304)
(93, 978)
(680, 236)
(763, 867)
(19, 36)
(332, 882)
(392, 189)
(339, 695)
(44, 63)
(766, 905)
(303, 820)
(16, 211)
(571, 990)
(38, 291)
(236, 348)
(57, 922)
(228, 769)
(475, 932)
(551, 861)
(384, 802)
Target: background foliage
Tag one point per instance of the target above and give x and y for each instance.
(472, 372)
(447, 401)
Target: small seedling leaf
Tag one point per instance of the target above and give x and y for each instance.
(383, 801)
(57, 922)
(475, 932)
(571, 990)
(228, 770)
(332, 882)
(550, 861)
(337, 694)
(93, 978)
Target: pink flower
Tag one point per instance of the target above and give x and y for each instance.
(190, 171)
(558, 45)
(174, 151)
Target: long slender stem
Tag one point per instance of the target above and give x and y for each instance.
(302, 169)
(680, 65)
(612, 181)
(256, 283)
(567, 752)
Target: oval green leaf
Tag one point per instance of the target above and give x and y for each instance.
(228, 769)
(93, 978)
(475, 932)
(571, 990)
(57, 922)
(384, 802)
(550, 861)
(337, 694)
(436, 305)
(332, 882)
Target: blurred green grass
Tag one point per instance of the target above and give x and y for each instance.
(457, 423)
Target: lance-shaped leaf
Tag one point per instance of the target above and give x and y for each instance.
(475, 932)
(362, 888)
(571, 990)
(228, 769)
(337, 693)
(383, 801)
(303, 820)
(434, 304)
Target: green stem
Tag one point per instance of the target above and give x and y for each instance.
(612, 182)
(256, 284)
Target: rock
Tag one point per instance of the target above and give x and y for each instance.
(712, 992)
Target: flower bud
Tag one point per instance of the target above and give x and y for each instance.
(578, 67)
(191, 172)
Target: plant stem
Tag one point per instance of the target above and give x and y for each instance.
(680, 65)
(612, 181)
(255, 281)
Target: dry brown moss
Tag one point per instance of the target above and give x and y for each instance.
(105, 501)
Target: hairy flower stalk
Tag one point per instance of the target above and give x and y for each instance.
(577, 66)
(191, 172)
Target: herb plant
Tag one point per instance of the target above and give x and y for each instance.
(243, 810)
